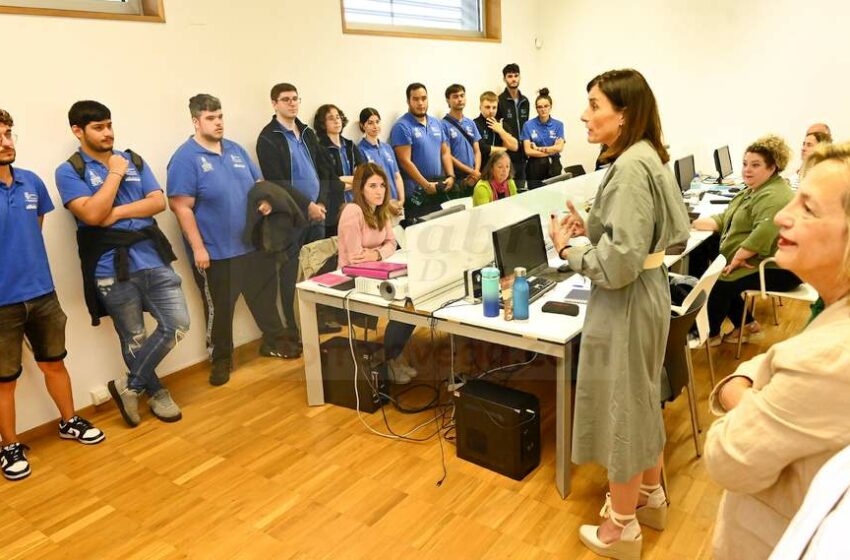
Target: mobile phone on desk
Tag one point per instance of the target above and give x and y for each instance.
(560, 307)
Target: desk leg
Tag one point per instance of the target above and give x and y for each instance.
(312, 357)
(563, 412)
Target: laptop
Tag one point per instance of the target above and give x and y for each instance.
(523, 244)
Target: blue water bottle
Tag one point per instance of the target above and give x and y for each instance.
(520, 294)
(490, 291)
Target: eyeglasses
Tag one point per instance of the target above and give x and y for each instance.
(294, 99)
(11, 137)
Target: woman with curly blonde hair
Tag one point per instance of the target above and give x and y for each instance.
(748, 236)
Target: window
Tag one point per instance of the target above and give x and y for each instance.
(142, 10)
(477, 20)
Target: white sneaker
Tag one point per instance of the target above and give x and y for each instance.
(397, 372)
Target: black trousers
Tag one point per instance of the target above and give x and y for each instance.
(726, 301)
(539, 169)
(253, 276)
(518, 161)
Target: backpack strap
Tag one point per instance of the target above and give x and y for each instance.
(449, 119)
(77, 163)
(136, 159)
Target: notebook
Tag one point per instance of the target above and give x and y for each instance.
(379, 270)
(331, 280)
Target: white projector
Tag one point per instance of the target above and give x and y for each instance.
(392, 289)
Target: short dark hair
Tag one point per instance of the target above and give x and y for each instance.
(322, 113)
(413, 87)
(454, 88)
(512, 68)
(6, 118)
(203, 102)
(277, 89)
(87, 111)
(628, 91)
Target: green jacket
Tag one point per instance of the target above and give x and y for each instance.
(483, 193)
(748, 222)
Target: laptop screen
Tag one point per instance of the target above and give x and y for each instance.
(520, 244)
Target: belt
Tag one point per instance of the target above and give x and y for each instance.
(654, 260)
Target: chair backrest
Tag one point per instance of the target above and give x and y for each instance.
(400, 238)
(704, 286)
(576, 170)
(466, 202)
(676, 359)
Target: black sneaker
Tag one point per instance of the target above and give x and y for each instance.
(286, 349)
(220, 373)
(81, 430)
(13, 461)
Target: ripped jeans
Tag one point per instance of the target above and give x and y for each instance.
(157, 291)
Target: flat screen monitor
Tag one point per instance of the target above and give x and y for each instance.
(520, 244)
(685, 172)
(440, 213)
(722, 162)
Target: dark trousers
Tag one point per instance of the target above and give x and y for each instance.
(539, 169)
(395, 338)
(703, 254)
(726, 301)
(518, 161)
(254, 277)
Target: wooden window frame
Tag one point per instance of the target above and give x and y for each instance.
(153, 11)
(492, 27)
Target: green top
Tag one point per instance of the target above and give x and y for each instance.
(748, 222)
(483, 193)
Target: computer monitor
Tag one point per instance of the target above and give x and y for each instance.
(520, 244)
(685, 171)
(440, 213)
(723, 163)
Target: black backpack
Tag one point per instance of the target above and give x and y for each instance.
(76, 161)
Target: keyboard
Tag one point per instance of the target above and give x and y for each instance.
(537, 287)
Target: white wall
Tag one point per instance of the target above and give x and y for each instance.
(145, 73)
(723, 71)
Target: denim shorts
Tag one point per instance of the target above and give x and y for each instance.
(42, 321)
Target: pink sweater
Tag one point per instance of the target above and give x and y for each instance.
(355, 236)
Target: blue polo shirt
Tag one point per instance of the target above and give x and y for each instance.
(219, 184)
(459, 146)
(542, 134)
(425, 141)
(24, 270)
(384, 156)
(134, 186)
(305, 178)
(346, 168)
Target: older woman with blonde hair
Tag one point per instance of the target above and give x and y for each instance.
(748, 236)
(785, 411)
(496, 180)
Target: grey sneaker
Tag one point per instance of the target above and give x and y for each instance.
(127, 401)
(164, 407)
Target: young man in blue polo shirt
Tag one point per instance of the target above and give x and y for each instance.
(291, 156)
(463, 138)
(422, 150)
(209, 178)
(514, 110)
(29, 307)
(125, 257)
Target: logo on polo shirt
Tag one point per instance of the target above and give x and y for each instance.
(132, 175)
(417, 133)
(31, 200)
(436, 131)
(552, 134)
(534, 134)
(453, 133)
(468, 130)
(206, 166)
(237, 160)
(94, 178)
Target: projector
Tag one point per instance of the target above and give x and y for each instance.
(392, 289)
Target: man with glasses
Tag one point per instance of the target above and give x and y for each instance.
(291, 156)
(29, 307)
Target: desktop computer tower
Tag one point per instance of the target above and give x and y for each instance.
(498, 428)
(338, 373)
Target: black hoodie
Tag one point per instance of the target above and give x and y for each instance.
(276, 163)
(515, 115)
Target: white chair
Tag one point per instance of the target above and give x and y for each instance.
(803, 292)
(465, 202)
(705, 285)
(400, 237)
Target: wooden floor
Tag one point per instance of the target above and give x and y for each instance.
(253, 472)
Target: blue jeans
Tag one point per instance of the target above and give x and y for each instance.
(156, 290)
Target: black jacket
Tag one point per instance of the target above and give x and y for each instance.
(276, 163)
(514, 115)
(93, 242)
(488, 138)
(276, 232)
(336, 192)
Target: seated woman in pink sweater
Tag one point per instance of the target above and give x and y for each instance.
(365, 235)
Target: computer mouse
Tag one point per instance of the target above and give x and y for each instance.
(734, 189)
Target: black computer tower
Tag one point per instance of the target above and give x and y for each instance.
(498, 428)
(338, 373)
